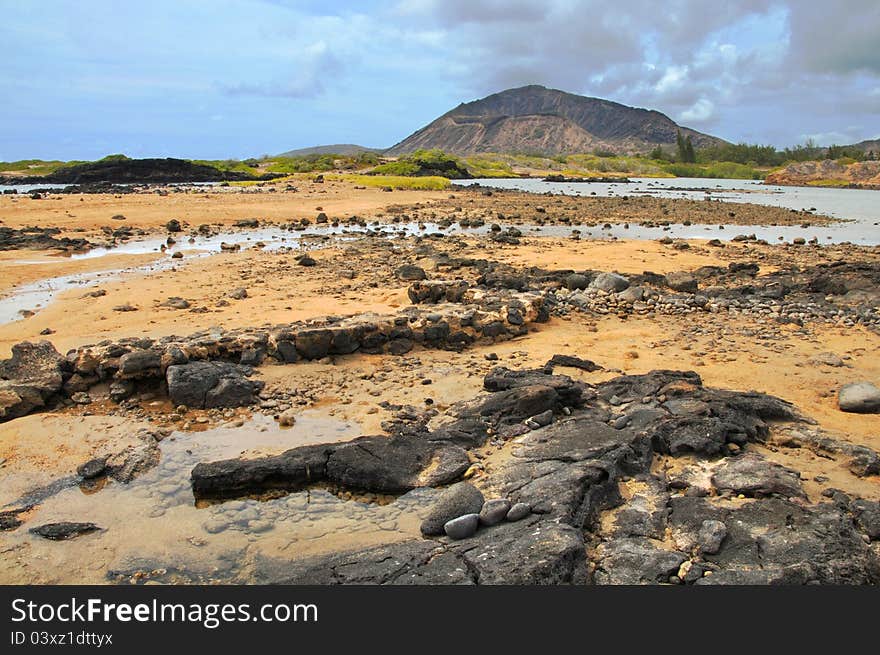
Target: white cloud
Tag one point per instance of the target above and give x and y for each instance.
(701, 111)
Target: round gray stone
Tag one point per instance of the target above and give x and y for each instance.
(459, 499)
(861, 397)
(609, 282)
(519, 511)
(462, 527)
(494, 511)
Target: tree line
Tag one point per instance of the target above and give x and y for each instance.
(753, 154)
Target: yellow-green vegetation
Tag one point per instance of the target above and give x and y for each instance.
(829, 182)
(489, 166)
(34, 166)
(229, 165)
(423, 183)
(727, 170)
(318, 163)
(424, 163)
(583, 165)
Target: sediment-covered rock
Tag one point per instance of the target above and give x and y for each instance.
(29, 378)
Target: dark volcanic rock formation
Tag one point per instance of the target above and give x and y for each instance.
(582, 527)
(537, 119)
(124, 170)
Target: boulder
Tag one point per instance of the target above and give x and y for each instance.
(140, 363)
(459, 499)
(576, 282)
(518, 512)
(410, 273)
(752, 475)
(211, 384)
(29, 378)
(610, 282)
(860, 397)
(572, 362)
(681, 281)
(494, 511)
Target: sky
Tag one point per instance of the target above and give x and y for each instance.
(218, 79)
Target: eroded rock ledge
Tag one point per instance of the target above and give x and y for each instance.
(212, 368)
(603, 510)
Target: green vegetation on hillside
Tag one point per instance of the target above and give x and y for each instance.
(726, 161)
(425, 163)
(319, 163)
(34, 166)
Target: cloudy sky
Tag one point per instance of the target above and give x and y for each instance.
(239, 78)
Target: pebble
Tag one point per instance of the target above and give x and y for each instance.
(494, 511)
(287, 419)
(215, 527)
(462, 527)
(519, 511)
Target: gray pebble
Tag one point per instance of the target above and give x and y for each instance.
(519, 511)
(494, 511)
(462, 527)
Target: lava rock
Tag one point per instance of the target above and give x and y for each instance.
(410, 273)
(29, 378)
(752, 475)
(681, 281)
(211, 384)
(64, 530)
(712, 534)
(611, 282)
(291, 470)
(398, 463)
(92, 469)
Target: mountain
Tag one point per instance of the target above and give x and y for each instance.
(333, 149)
(868, 146)
(534, 119)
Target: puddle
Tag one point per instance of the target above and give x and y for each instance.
(153, 524)
(34, 296)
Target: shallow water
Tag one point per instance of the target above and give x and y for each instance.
(36, 295)
(154, 523)
(859, 208)
(856, 204)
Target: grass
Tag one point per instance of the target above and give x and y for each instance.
(509, 165)
(35, 166)
(424, 183)
(829, 182)
(716, 170)
(227, 165)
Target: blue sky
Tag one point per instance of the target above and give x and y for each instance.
(240, 78)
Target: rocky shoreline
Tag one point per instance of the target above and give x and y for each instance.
(727, 517)
(437, 408)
